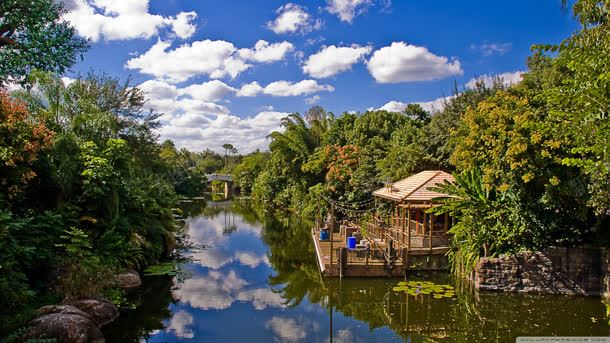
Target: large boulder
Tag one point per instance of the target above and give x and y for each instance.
(65, 323)
(128, 280)
(102, 311)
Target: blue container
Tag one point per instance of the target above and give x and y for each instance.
(324, 236)
(351, 242)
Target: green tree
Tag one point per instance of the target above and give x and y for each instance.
(32, 36)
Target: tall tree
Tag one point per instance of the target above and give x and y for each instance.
(33, 36)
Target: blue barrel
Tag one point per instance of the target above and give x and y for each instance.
(324, 236)
(351, 242)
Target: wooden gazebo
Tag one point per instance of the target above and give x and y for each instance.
(409, 224)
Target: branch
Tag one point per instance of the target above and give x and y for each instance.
(4, 41)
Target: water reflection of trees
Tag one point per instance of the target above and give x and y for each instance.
(469, 317)
(292, 257)
(152, 302)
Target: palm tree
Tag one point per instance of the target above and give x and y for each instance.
(297, 141)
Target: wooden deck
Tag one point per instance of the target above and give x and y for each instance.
(376, 261)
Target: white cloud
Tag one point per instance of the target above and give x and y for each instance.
(346, 10)
(312, 100)
(180, 324)
(430, 106)
(213, 291)
(198, 132)
(250, 259)
(209, 91)
(211, 258)
(293, 18)
(332, 60)
(213, 58)
(183, 24)
(216, 59)
(401, 62)
(286, 88)
(287, 329)
(489, 49)
(508, 78)
(125, 19)
(394, 106)
(194, 120)
(250, 89)
(437, 104)
(262, 298)
(264, 52)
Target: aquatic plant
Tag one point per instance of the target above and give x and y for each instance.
(416, 288)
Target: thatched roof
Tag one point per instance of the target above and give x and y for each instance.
(415, 187)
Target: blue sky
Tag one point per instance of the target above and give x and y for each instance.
(194, 57)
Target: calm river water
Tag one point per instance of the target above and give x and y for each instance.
(256, 280)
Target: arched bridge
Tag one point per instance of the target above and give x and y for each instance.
(226, 178)
(219, 177)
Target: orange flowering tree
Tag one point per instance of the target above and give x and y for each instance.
(22, 138)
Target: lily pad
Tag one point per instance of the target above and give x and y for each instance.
(415, 288)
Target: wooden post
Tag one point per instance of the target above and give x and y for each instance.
(423, 233)
(403, 225)
(366, 257)
(446, 222)
(431, 228)
(409, 227)
(331, 229)
(404, 254)
(342, 261)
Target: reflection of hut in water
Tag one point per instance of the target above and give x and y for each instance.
(408, 238)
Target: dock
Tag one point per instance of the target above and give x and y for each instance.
(381, 257)
(408, 238)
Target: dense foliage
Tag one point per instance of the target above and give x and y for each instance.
(531, 161)
(86, 189)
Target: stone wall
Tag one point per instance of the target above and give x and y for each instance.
(557, 270)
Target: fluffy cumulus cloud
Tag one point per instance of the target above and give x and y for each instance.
(394, 106)
(194, 118)
(250, 259)
(218, 291)
(261, 298)
(332, 60)
(196, 131)
(215, 291)
(250, 89)
(508, 78)
(401, 62)
(125, 19)
(264, 52)
(213, 90)
(293, 18)
(430, 106)
(347, 10)
(180, 325)
(284, 88)
(286, 329)
(214, 58)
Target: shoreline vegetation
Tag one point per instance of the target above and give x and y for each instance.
(88, 191)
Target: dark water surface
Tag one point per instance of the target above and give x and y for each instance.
(257, 281)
